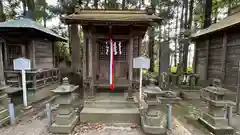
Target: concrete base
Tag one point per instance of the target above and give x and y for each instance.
(110, 115)
(64, 129)
(217, 130)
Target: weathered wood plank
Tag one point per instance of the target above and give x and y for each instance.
(43, 54)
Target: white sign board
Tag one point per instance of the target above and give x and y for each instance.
(141, 62)
(21, 64)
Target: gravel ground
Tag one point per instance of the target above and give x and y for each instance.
(37, 125)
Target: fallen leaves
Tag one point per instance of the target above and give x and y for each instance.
(85, 127)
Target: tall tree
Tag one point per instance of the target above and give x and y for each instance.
(31, 9)
(95, 4)
(2, 15)
(123, 4)
(207, 13)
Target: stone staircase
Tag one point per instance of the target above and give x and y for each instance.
(110, 109)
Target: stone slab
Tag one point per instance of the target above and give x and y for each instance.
(110, 115)
(218, 131)
(215, 121)
(110, 104)
(63, 129)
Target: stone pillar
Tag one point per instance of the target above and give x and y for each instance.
(2, 79)
(66, 118)
(4, 101)
(130, 68)
(215, 118)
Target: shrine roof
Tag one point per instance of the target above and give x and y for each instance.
(112, 16)
(29, 24)
(221, 25)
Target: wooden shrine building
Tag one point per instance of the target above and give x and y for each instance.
(127, 29)
(217, 53)
(26, 38)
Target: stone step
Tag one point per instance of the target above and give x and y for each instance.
(110, 104)
(110, 115)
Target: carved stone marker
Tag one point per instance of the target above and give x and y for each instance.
(66, 118)
(4, 101)
(215, 119)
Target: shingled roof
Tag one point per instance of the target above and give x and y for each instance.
(221, 25)
(29, 24)
(112, 16)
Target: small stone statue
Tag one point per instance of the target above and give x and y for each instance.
(217, 83)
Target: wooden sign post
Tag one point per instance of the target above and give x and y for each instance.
(141, 62)
(23, 64)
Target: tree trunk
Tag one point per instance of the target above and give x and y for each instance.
(208, 13)
(31, 9)
(123, 4)
(95, 4)
(229, 6)
(44, 14)
(185, 44)
(176, 38)
(190, 14)
(150, 48)
(2, 15)
(24, 7)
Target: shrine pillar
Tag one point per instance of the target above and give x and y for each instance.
(93, 61)
(130, 67)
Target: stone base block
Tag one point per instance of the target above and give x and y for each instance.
(215, 121)
(5, 120)
(3, 114)
(216, 130)
(64, 129)
(65, 119)
(151, 128)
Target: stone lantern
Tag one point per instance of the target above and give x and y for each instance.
(215, 118)
(66, 118)
(4, 101)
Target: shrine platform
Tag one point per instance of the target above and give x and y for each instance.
(110, 108)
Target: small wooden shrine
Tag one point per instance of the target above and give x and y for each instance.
(25, 38)
(126, 28)
(218, 50)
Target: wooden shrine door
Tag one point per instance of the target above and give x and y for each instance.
(120, 60)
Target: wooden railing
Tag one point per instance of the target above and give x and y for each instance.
(35, 79)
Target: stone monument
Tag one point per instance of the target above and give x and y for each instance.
(215, 118)
(66, 118)
(4, 101)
